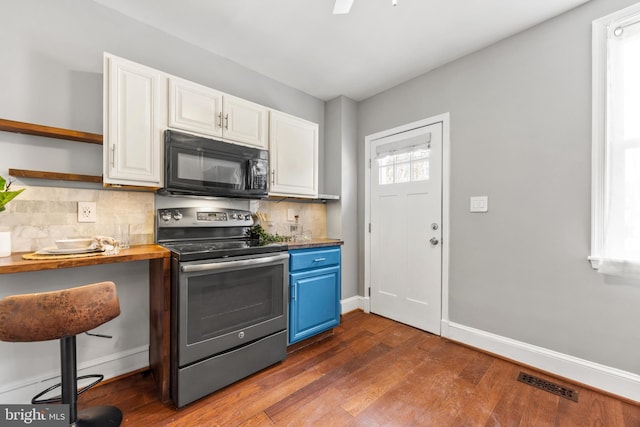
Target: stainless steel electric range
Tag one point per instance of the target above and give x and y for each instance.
(228, 299)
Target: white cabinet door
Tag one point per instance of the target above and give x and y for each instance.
(199, 109)
(293, 153)
(134, 121)
(244, 122)
(195, 108)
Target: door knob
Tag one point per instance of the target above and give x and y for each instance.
(434, 241)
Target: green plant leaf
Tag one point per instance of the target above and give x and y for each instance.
(7, 196)
(257, 232)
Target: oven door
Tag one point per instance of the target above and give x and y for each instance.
(229, 302)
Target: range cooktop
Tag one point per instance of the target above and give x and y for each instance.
(205, 233)
(192, 251)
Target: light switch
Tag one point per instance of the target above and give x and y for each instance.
(479, 204)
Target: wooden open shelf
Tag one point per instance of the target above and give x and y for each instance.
(49, 131)
(23, 173)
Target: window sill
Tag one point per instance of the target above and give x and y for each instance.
(616, 267)
(595, 261)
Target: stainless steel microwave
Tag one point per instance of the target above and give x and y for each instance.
(200, 166)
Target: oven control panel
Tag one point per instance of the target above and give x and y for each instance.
(203, 217)
(212, 216)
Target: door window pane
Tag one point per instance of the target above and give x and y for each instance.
(404, 167)
(386, 175)
(403, 172)
(420, 170)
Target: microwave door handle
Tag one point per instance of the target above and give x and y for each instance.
(250, 175)
(201, 159)
(212, 266)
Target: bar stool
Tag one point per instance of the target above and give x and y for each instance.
(62, 315)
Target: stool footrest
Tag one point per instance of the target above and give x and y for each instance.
(37, 401)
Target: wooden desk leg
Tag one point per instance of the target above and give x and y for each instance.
(159, 323)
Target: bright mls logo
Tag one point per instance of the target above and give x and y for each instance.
(34, 415)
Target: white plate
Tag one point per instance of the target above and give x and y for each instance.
(54, 250)
(78, 243)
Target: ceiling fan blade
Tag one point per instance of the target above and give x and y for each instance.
(341, 7)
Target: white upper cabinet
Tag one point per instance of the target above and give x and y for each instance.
(245, 122)
(293, 149)
(141, 102)
(134, 122)
(195, 108)
(199, 109)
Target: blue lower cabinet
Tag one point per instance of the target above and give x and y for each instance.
(314, 294)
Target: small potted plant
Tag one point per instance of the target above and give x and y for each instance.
(6, 195)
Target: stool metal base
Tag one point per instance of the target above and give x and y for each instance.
(99, 416)
(58, 399)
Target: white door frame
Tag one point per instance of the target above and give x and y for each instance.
(446, 169)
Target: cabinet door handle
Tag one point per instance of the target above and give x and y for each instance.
(220, 119)
(294, 291)
(319, 259)
(226, 121)
(113, 156)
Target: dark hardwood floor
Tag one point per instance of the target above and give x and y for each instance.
(374, 372)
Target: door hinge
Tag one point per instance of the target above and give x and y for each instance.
(369, 291)
(369, 163)
(369, 227)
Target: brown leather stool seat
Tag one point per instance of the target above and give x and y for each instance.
(62, 315)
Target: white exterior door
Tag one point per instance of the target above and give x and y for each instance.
(406, 227)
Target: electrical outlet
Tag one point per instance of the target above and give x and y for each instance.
(87, 212)
(291, 215)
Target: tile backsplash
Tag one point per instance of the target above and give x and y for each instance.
(279, 217)
(41, 215)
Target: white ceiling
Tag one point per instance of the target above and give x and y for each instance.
(375, 47)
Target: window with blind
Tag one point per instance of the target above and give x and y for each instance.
(404, 161)
(616, 144)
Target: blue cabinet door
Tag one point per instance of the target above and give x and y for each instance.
(314, 302)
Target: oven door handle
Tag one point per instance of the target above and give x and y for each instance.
(231, 264)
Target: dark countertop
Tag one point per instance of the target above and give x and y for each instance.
(315, 243)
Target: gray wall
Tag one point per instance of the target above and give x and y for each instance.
(521, 134)
(51, 73)
(341, 179)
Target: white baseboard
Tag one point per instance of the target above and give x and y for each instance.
(611, 380)
(350, 304)
(113, 365)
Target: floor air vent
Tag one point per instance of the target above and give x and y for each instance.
(545, 385)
